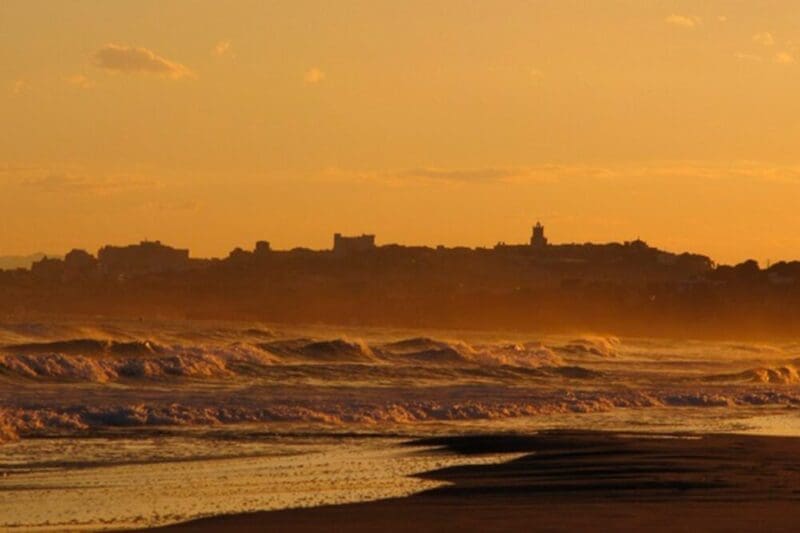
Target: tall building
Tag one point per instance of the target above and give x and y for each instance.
(262, 248)
(538, 240)
(147, 257)
(361, 243)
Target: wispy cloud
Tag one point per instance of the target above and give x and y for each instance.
(9, 168)
(80, 81)
(313, 76)
(136, 60)
(465, 176)
(555, 173)
(784, 58)
(18, 86)
(764, 38)
(743, 56)
(468, 174)
(63, 182)
(222, 48)
(684, 21)
(188, 206)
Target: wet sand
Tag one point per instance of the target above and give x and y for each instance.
(577, 481)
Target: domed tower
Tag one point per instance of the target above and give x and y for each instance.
(538, 240)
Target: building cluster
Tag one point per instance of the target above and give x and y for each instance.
(364, 243)
(577, 286)
(147, 257)
(582, 260)
(144, 258)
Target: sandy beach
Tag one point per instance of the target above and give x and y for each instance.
(577, 481)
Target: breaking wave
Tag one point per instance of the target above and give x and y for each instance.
(594, 346)
(374, 407)
(78, 378)
(102, 361)
(81, 368)
(86, 347)
(425, 350)
(331, 351)
(785, 375)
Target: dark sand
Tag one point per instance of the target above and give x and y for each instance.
(577, 481)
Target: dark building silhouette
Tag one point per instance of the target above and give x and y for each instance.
(361, 243)
(147, 257)
(239, 255)
(538, 240)
(79, 264)
(48, 269)
(627, 287)
(262, 248)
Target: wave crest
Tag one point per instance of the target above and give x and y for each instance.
(784, 375)
(331, 351)
(86, 347)
(591, 345)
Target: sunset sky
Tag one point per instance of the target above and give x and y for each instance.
(212, 124)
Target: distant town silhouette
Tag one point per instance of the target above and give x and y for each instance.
(628, 287)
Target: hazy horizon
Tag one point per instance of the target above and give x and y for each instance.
(35, 255)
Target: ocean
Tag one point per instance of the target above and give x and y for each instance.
(136, 423)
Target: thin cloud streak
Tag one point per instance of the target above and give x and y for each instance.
(80, 81)
(684, 21)
(136, 60)
(66, 183)
(742, 56)
(707, 171)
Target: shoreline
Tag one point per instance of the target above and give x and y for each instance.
(575, 481)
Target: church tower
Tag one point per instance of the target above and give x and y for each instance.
(538, 240)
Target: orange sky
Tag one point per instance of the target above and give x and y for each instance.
(210, 124)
